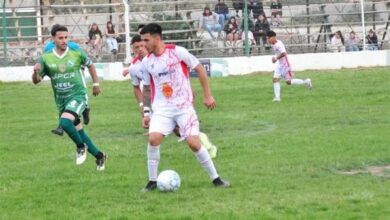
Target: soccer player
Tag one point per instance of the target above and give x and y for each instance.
(48, 48)
(62, 65)
(165, 70)
(136, 78)
(283, 68)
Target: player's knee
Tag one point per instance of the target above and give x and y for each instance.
(288, 82)
(155, 139)
(275, 80)
(194, 143)
(65, 122)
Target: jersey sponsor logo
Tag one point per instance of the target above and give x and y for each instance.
(63, 75)
(163, 74)
(63, 86)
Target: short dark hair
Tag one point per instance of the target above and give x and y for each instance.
(56, 28)
(152, 29)
(135, 39)
(271, 33)
(140, 26)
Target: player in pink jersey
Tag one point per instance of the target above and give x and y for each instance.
(283, 68)
(167, 88)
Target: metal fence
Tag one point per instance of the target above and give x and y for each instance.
(305, 26)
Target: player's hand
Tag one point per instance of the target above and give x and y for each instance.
(274, 59)
(209, 102)
(96, 90)
(145, 122)
(125, 71)
(37, 68)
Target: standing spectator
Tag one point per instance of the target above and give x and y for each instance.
(337, 42)
(238, 5)
(223, 11)
(231, 29)
(209, 22)
(257, 8)
(261, 29)
(111, 38)
(276, 12)
(352, 42)
(95, 36)
(372, 41)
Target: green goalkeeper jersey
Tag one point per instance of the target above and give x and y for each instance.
(65, 73)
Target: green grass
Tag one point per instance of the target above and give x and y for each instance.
(281, 158)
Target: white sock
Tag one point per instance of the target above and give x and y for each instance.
(296, 82)
(306, 81)
(277, 89)
(204, 159)
(153, 160)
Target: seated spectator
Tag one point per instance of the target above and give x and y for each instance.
(111, 38)
(209, 22)
(276, 12)
(251, 26)
(251, 38)
(256, 6)
(372, 41)
(261, 29)
(223, 11)
(232, 32)
(238, 5)
(95, 36)
(352, 43)
(337, 42)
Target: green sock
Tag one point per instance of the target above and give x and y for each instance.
(92, 149)
(71, 130)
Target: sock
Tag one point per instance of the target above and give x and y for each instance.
(92, 149)
(277, 89)
(204, 159)
(296, 82)
(153, 160)
(71, 130)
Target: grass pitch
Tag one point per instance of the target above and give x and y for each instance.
(284, 160)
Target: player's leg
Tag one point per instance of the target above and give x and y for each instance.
(58, 130)
(86, 115)
(189, 128)
(290, 80)
(159, 127)
(100, 156)
(210, 147)
(276, 83)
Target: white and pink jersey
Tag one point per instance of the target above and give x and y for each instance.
(279, 49)
(135, 71)
(168, 76)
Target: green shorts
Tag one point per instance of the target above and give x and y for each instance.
(75, 104)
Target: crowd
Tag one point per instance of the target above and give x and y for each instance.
(353, 42)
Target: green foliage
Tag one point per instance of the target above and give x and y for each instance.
(281, 158)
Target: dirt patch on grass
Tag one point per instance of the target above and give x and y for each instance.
(382, 171)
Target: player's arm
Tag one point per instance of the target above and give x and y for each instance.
(39, 71)
(208, 99)
(278, 57)
(138, 96)
(96, 86)
(146, 98)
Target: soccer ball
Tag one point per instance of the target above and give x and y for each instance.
(168, 181)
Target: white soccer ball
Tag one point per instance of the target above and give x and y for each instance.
(168, 181)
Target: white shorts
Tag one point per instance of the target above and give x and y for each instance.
(283, 72)
(186, 119)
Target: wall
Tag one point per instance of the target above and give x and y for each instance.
(240, 65)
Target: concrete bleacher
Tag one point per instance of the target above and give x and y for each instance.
(299, 31)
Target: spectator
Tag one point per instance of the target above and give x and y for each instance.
(95, 36)
(372, 41)
(276, 12)
(111, 38)
(352, 43)
(261, 29)
(238, 5)
(257, 8)
(209, 22)
(223, 11)
(251, 38)
(337, 42)
(231, 29)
